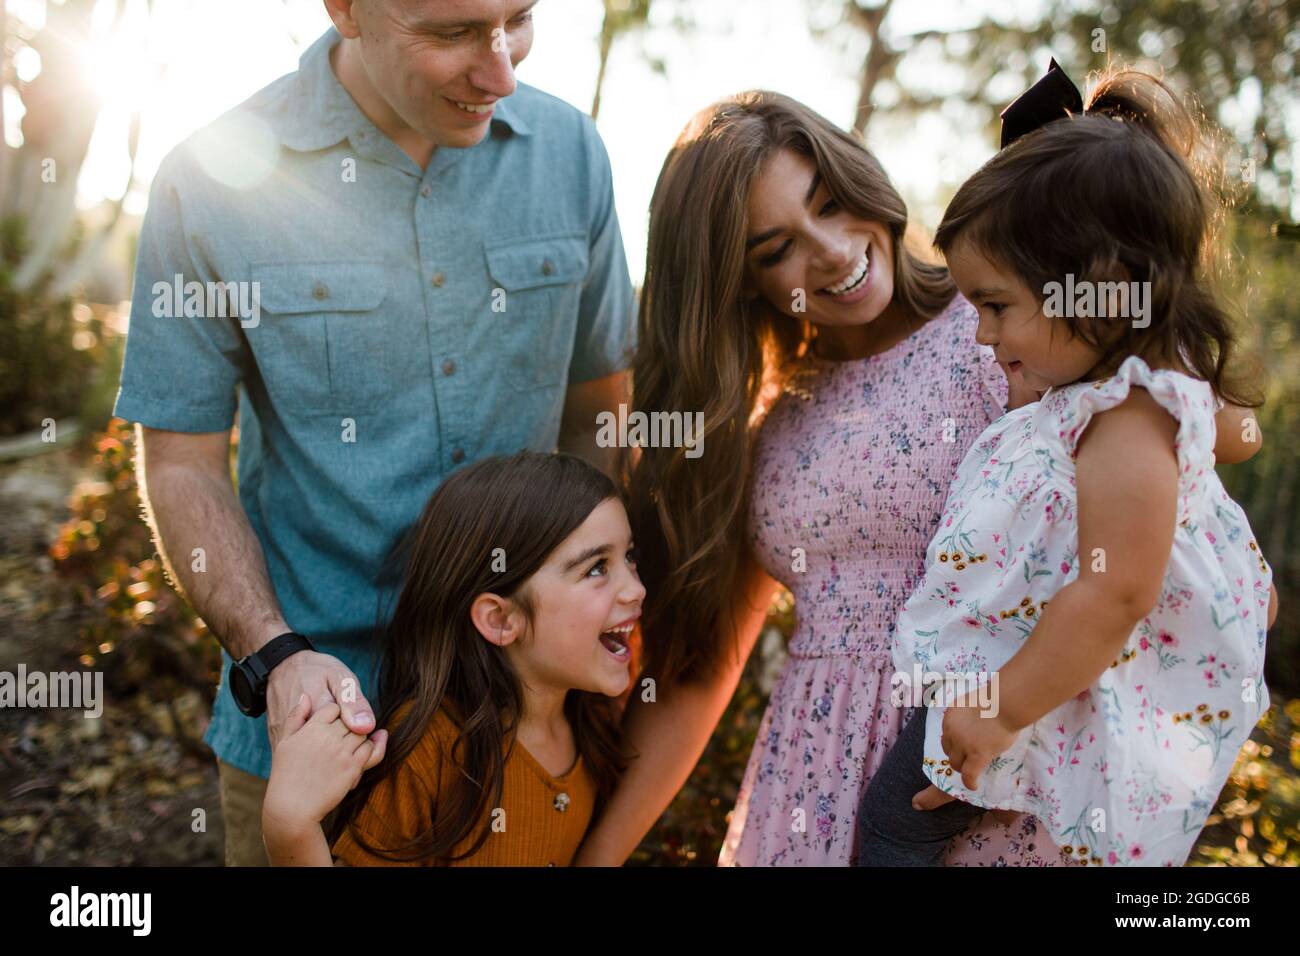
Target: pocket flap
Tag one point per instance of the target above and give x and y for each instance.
(292, 287)
(527, 263)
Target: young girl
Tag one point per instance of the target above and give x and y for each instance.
(509, 638)
(1089, 570)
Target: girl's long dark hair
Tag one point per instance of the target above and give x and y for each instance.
(1132, 189)
(434, 657)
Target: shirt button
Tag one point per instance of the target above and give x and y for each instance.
(457, 455)
(448, 367)
(547, 268)
(438, 280)
(426, 190)
(320, 291)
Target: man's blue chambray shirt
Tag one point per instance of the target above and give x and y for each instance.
(441, 311)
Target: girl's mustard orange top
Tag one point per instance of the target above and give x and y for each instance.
(545, 817)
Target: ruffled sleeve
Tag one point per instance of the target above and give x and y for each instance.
(1190, 401)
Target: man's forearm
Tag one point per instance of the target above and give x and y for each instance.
(583, 404)
(582, 442)
(191, 506)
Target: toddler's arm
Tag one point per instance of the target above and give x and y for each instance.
(1127, 479)
(314, 765)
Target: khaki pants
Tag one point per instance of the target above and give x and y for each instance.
(241, 806)
(242, 795)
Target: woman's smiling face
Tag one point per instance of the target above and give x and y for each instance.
(799, 238)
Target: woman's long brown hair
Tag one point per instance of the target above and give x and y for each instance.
(702, 347)
(1132, 189)
(434, 657)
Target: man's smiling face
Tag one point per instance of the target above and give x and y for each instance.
(439, 65)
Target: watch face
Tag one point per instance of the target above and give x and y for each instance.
(241, 688)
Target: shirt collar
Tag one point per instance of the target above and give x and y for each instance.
(320, 113)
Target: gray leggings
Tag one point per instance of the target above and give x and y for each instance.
(890, 832)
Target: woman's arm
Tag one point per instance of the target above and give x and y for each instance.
(1237, 436)
(668, 735)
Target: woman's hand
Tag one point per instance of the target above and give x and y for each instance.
(1237, 436)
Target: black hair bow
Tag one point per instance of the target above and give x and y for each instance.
(1052, 97)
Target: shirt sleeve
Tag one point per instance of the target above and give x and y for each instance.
(399, 809)
(606, 330)
(181, 370)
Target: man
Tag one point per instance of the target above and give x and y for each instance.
(393, 262)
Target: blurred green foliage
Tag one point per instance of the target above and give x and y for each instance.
(54, 352)
(140, 631)
(1260, 279)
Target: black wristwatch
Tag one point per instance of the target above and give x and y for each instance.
(248, 676)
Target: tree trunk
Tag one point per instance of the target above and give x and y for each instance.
(879, 58)
(606, 43)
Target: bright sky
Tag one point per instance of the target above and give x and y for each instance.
(196, 59)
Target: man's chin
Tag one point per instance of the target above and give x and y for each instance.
(460, 138)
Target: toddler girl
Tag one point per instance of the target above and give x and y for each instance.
(1093, 609)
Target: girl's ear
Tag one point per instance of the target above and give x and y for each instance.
(496, 618)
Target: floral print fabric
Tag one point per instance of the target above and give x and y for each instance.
(1127, 772)
(851, 468)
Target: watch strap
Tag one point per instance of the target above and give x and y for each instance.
(277, 649)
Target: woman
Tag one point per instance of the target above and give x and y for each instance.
(777, 265)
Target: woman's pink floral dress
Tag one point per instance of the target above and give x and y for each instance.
(851, 470)
(1127, 772)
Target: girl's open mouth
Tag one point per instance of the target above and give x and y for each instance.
(615, 641)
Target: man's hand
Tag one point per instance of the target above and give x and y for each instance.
(325, 680)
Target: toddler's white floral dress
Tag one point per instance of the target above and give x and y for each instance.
(1127, 772)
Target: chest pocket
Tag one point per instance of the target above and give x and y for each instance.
(536, 287)
(322, 344)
